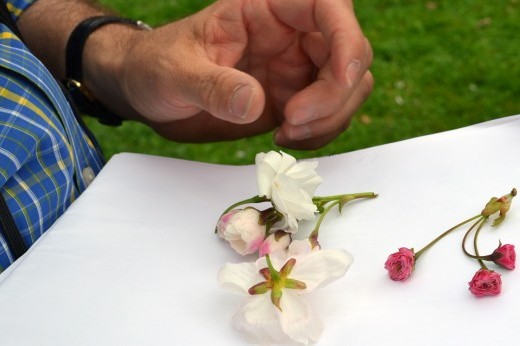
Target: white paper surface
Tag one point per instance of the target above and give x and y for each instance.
(134, 260)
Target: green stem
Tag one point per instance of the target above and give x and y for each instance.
(275, 276)
(420, 252)
(332, 202)
(482, 265)
(319, 201)
(477, 257)
(314, 233)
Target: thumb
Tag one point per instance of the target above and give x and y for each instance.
(227, 93)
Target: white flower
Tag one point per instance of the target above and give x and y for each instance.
(280, 314)
(242, 229)
(289, 184)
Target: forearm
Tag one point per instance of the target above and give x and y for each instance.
(46, 27)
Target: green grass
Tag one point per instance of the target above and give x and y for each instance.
(438, 65)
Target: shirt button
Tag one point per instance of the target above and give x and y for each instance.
(88, 175)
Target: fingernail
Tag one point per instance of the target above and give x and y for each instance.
(304, 116)
(241, 101)
(353, 72)
(300, 132)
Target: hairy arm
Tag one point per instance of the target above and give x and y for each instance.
(46, 27)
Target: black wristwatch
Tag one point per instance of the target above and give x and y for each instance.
(82, 97)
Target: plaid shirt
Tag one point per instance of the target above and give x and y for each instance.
(46, 157)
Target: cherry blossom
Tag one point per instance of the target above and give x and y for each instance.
(274, 309)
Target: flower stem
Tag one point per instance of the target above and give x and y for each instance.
(255, 199)
(482, 265)
(325, 204)
(476, 256)
(320, 201)
(420, 252)
(315, 231)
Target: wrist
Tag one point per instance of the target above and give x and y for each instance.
(95, 54)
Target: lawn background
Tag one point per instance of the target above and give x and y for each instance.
(438, 65)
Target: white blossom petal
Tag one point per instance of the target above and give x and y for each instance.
(289, 184)
(297, 318)
(239, 277)
(321, 267)
(258, 320)
(304, 173)
(300, 247)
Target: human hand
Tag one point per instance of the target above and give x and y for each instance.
(243, 67)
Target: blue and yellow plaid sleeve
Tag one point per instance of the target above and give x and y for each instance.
(46, 156)
(16, 7)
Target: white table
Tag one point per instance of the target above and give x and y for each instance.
(134, 259)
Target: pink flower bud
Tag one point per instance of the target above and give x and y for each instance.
(243, 229)
(485, 283)
(505, 256)
(400, 264)
(279, 240)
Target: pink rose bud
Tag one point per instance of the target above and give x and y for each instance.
(279, 240)
(505, 256)
(485, 283)
(400, 264)
(243, 229)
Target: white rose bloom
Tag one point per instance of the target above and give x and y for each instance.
(289, 184)
(294, 320)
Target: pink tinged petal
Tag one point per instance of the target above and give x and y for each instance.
(239, 246)
(274, 242)
(322, 267)
(244, 231)
(224, 222)
(299, 247)
(254, 246)
(239, 277)
(297, 318)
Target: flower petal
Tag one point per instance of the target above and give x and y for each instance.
(305, 174)
(297, 318)
(239, 277)
(322, 267)
(258, 320)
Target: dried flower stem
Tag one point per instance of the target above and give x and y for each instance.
(325, 204)
(477, 256)
(420, 252)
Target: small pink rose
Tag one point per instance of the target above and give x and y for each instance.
(505, 256)
(485, 283)
(400, 264)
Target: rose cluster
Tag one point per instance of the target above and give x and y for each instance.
(485, 282)
(273, 310)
